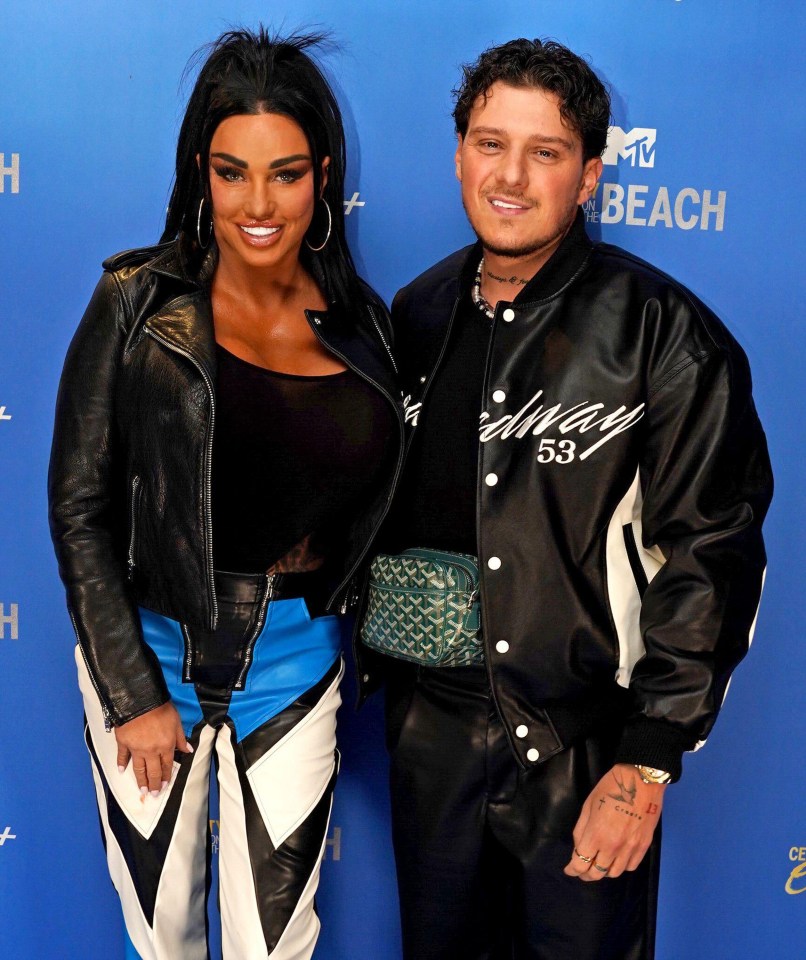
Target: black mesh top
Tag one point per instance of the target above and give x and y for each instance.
(436, 501)
(292, 456)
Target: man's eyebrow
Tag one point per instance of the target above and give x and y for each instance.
(495, 131)
(537, 138)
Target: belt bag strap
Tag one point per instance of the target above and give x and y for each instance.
(423, 606)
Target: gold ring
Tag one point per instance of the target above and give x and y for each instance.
(583, 859)
(601, 869)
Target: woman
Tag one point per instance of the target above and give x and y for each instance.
(226, 439)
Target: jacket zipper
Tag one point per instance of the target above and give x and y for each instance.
(271, 579)
(104, 709)
(352, 594)
(398, 466)
(133, 522)
(187, 669)
(208, 520)
(383, 338)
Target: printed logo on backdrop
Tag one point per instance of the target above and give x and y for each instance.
(3, 414)
(643, 205)
(9, 621)
(10, 173)
(636, 145)
(7, 835)
(796, 882)
(332, 844)
(352, 203)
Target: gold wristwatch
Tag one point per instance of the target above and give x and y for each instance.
(652, 774)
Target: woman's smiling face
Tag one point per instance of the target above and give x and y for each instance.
(261, 188)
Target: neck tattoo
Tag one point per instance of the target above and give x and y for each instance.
(513, 280)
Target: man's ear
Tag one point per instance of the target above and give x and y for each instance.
(590, 179)
(457, 158)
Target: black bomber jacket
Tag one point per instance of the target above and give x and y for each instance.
(129, 481)
(623, 478)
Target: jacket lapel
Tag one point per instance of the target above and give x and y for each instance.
(186, 323)
(360, 349)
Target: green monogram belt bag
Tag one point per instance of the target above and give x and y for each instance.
(423, 606)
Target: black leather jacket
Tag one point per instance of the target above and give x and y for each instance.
(623, 478)
(129, 481)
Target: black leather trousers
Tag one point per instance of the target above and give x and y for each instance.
(480, 844)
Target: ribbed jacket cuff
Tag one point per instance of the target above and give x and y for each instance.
(653, 743)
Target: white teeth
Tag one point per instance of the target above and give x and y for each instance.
(506, 206)
(260, 231)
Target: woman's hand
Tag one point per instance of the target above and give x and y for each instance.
(150, 741)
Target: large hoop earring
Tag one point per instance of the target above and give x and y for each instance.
(206, 244)
(329, 228)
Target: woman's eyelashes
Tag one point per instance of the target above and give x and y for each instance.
(227, 172)
(232, 174)
(290, 174)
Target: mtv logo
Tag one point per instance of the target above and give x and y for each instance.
(638, 143)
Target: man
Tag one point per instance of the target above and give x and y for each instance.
(613, 492)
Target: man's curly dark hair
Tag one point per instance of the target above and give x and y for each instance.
(545, 65)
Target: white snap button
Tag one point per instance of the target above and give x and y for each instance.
(494, 563)
(533, 754)
(502, 646)
(491, 479)
(366, 678)
(316, 320)
(521, 731)
(422, 379)
(508, 315)
(499, 396)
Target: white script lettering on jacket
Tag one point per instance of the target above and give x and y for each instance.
(534, 419)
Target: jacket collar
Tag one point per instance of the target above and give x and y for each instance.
(168, 263)
(186, 320)
(185, 323)
(561, 267)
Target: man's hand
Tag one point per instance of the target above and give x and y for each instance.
(150, 740)
(616, 825)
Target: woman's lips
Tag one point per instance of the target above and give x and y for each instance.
(259, 236)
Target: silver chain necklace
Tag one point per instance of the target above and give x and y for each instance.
(478, 297)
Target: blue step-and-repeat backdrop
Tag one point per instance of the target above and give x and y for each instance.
(703, 177)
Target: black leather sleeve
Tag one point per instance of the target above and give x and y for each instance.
(707, 484)
(87, 514)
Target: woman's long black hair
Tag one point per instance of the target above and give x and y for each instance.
(249, 72)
